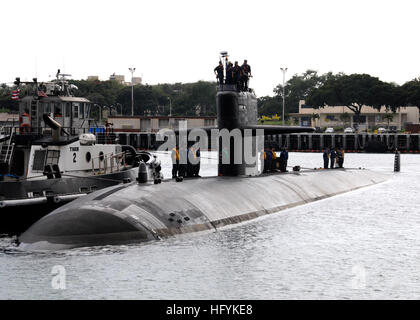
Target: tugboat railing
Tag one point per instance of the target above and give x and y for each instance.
(114, 162)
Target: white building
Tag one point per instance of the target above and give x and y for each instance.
(370, 118)
(155, 123)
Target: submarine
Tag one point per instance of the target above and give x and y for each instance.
(142, 211)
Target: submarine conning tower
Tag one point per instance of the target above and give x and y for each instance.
(235, 110)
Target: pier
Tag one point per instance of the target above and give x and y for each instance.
(306, 142)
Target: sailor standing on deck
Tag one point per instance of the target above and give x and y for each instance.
(183, 162)
(175, 162)
(326, 156)
(194, 160)
(284, 156)
(340, 157)
(274, 160)
(268, 155)
(332, 157)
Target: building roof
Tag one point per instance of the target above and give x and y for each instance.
(162, 117)
(5, 116)
(57, 98)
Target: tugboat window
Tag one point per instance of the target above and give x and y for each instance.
(39, 160)
(52, 157)
(47, 108)
(101, 156)
(88, 156)
(75, 111)
(82, 111)
(57, 110)
(68, 109)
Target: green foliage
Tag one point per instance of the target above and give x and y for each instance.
(345, 116)
(270, 105)
(6, 102)
(354, 91)
(296, 88)
(411, 92)
(152, 99)
(103, 93)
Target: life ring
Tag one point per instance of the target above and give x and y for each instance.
(25, 128)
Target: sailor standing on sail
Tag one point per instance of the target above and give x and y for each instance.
(229, 73)
(246, 73)
(218, 71)
(237, 75)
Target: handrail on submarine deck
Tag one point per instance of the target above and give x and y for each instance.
(109, 156)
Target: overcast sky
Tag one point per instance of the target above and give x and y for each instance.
(180, 41)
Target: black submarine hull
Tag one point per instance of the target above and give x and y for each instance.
(20, 211)
(132, 213)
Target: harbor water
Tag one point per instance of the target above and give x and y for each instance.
(363, 244)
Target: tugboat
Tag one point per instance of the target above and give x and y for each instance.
(52, 158)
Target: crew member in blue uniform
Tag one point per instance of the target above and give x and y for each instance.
(194, 160)
(340, 159)
(274, 160)
(218, 71)
(326, 156)
(183, 162)
(229, 73)
(332, 157)
(237, 75)
(246, 73)
(268, 156)
(284, 156)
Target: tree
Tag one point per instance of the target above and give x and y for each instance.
(269, 105)
(298, 88)
(411, 92)
(314, 117)
(355, 91)
(388, 117)
(345, 117)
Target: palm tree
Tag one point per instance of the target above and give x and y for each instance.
(388, 117)
(314, 116)
(344, 117)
